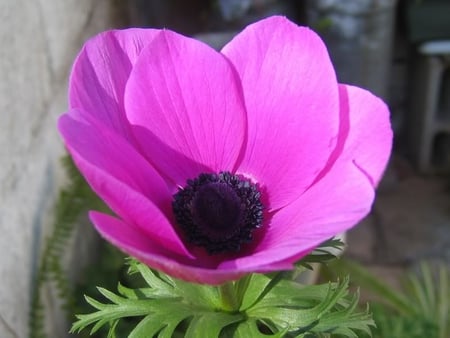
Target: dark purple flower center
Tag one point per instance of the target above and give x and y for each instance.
(218, 211)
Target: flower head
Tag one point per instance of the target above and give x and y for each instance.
(219, 164)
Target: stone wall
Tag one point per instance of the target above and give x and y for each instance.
(39, 40)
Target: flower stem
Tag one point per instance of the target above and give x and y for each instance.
(228, 297)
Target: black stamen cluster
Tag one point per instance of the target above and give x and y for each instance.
(218, 211)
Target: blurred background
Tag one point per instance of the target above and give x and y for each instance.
(400, 50)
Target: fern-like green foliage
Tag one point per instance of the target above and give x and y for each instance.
(74, 200)
(108, 270)
(255, 306)
(421, 310)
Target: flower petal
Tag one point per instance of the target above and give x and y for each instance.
(100, 72)
(291, 95)
(120, 176)
(337, 202)
(135, 243)
(344, 192)
(369, 141)
(185, 104)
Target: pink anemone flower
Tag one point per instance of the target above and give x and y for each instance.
(220, 164)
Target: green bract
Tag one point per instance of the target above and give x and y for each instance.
(254, 306)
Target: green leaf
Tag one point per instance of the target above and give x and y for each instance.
(158, 284)
(249, 329)
(270, 306)
(112, 329)
(345, 321)
(299, 317)
(444, 303)
(109, 312)
(420, 310)
(164, 319)
(288, 293)
(148, 327)
(211, 324)
(255, 285)
(323, 254)
(363, 278)
(312, 309)
(430, 296)
(198, 294)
